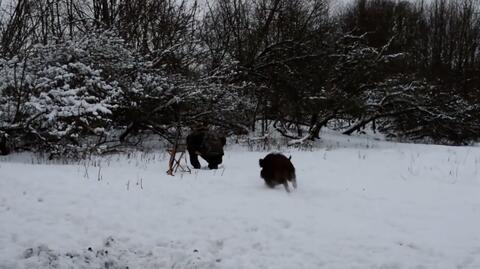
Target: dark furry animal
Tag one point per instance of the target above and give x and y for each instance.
(207, 144)
(278, 169)
(4, 148)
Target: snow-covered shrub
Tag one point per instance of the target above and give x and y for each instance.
(228, 97)
(432, 113)
(75, 96)
(157, 102)
(56, 97)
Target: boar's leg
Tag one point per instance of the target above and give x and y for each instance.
(285, 184)
(194, 159)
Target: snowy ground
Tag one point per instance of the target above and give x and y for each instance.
(361, 203)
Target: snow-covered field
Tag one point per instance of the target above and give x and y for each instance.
(361, 203)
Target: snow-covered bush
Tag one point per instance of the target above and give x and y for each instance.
(57, 97)
(432, 113)
(157, 102)
(76, 96)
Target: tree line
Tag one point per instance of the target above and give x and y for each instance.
(84, 75)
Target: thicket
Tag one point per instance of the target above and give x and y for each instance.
(79, 76)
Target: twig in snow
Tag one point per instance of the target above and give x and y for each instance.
(99, 175)
(86, 170)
